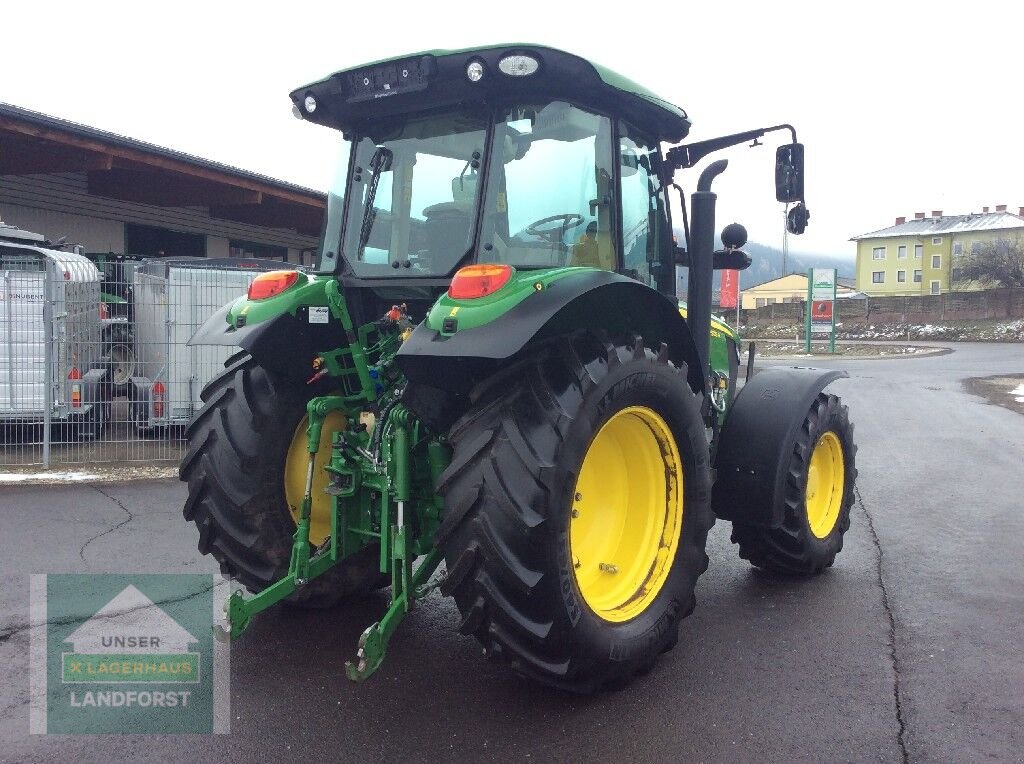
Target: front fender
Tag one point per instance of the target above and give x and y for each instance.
(757, 441)
(456, 359)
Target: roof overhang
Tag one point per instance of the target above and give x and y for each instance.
(436, 79)
(133, 171)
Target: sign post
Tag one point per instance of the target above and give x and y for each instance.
(821, 299)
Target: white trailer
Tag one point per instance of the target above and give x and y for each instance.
(172, 299)
(51, 364)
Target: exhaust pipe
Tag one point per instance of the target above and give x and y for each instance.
(702, 248)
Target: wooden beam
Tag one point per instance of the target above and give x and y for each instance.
(21, 161)
(167, 190)
(156, 161)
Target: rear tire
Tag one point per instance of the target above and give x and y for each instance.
(234, 466)
(510, 492)
(807, 543)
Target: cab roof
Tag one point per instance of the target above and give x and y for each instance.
(435, 78)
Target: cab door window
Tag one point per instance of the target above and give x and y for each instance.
(643, 213)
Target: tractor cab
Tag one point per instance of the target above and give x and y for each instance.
(515, 156)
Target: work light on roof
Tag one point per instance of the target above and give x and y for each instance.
(475, 71)
(518, 65)
(310, 104)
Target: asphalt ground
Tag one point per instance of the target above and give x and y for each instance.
(909, 649)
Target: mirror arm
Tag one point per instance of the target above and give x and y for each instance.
(687, 155)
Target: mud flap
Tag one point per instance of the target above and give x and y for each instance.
(757, 440)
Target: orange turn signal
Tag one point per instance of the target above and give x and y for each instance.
(271, 283)
(479, 280)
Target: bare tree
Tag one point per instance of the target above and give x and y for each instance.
(992, 263)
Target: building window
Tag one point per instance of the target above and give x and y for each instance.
(878, 277)
(936, 261)
(975, 247)
(917, 276)
(759, 302)
(918, 251)
(935, 287)
(901, 251)
(901, 276)
(936, 240)
(878, 253)
(958, 247)
(771, 300)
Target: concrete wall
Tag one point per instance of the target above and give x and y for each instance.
(923, 309)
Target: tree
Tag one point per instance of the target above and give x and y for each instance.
(992, 263)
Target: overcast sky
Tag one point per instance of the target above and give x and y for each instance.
(903, 106)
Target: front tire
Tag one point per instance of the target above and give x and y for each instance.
(818, 497)
(556, 464)
(236, 467)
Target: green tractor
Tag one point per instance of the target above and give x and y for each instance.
(490, 368)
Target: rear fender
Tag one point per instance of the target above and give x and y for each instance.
(757, 441)
(598, 300)
(286, 344)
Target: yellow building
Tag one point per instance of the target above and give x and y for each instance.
(915, 257)
(791, 288)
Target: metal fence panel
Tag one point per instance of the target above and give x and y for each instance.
(94, 363)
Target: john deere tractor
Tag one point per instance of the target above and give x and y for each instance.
(490, 369)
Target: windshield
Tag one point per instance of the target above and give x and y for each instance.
(413, 197)
(549, 192)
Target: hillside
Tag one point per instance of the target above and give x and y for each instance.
(767, 264)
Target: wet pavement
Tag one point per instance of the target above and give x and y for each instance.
(907, 650)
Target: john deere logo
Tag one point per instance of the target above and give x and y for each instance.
(126, 654)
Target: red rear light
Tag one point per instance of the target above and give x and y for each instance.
(480, 280)
(158, 398)
(271, 283)
(76, 389)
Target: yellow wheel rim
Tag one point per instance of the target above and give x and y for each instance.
(295, 476)
(825, 483)
(627, 514)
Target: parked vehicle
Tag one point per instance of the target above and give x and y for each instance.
(52, 367)
(116, 273)
(170, 299)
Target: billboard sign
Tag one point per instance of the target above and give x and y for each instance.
(821, 297)
(730, 289)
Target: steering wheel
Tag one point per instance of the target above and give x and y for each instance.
(552, 234)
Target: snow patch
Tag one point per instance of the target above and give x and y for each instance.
(20, 477)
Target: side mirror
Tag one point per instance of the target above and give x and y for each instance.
(797, 219)
(731, 260)
(789, 173)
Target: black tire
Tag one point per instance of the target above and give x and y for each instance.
(508, 494)
(234, 464)
(792, 548)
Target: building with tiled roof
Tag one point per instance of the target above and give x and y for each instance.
(916, 256)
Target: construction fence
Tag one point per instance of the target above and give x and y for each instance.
(95, 365)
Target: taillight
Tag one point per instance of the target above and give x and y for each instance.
(104, 311)
(75, 377)
(158, 398)
(479, 280)
(271, 283)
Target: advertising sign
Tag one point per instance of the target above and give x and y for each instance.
(821, 296)
(730, 289)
